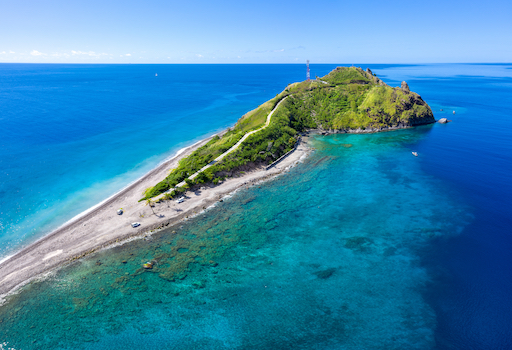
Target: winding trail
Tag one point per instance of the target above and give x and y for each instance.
(233, 148)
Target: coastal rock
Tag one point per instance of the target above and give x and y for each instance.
(148, 265)
(443, 121)
(405, 87)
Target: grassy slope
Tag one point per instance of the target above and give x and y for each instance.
(354, 99)
(257, 117)
(345, 99)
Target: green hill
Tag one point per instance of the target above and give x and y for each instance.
(347, 99)
(350, 100)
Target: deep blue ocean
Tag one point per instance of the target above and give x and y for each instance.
(362, 246)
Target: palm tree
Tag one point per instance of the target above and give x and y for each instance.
(150, 202)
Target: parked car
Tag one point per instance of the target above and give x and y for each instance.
(180, 200)
(135, 224)
(119, 211)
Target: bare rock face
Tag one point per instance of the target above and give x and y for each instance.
(405, 87)
(443, 121)
(369, 71)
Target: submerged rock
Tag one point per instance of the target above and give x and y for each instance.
(324, 274)
(358, 243)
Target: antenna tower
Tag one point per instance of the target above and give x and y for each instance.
(307, 74)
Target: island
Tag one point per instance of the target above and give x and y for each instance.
(347, 100)
(262, 144)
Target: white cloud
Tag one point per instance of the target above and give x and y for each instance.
(11, 51)
(128, 54)
(60, 54)
(239, 56)
(3, 53)
(198, 55)
(37, 53)
(89, 53)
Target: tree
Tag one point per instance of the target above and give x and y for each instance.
(150, 202)
(202, 178)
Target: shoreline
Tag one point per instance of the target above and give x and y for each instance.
(74, 239)
(98, 205)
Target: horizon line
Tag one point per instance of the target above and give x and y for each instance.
(251, 63)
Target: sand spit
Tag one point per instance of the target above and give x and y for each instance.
(101, 227)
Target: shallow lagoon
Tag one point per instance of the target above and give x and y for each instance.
(326, 256)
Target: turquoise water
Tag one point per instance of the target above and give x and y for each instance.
(363, 246)
(326, 256)
(73, 135)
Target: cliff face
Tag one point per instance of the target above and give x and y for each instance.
(353, 100)
(386, 106)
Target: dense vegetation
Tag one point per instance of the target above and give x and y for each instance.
(199, 158)
(346, 99)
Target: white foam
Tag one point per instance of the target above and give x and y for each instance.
(5, 346)
(87, 211)
(96, 206)
(6, 258)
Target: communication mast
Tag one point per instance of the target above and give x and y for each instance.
(307, 74)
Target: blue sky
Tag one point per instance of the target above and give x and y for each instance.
(200, 31)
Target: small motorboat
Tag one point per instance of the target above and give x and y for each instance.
(415, 154)
(156, 74)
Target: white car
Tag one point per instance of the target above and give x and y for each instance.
(120, 212)
(135, 224)
(180, 200)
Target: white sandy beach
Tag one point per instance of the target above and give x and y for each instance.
(100, 226)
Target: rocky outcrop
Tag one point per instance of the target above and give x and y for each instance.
(369, 74)
(387, 107)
